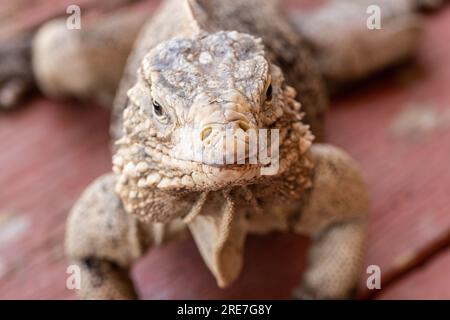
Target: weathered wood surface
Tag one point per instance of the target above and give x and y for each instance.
(397, 127)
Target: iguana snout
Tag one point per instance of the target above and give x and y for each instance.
(223, 129)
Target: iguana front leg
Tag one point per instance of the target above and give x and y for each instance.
(335, 218)
(104, 241)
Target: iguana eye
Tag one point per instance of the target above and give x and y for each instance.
(267, 105)
(158, 111)
(269, 93)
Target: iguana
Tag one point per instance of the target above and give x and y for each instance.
(198, 74)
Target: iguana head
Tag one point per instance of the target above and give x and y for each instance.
(194, 97)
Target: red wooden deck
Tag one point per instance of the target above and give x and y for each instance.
(397, 127)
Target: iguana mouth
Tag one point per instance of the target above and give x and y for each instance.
(154, 168)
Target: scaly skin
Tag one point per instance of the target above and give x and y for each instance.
(187, 88)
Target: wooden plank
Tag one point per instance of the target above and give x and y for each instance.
(430, 282)
(273, 266)
(51, 152)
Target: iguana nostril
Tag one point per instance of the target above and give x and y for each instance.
(205, 133)
(232, 128)
(243, 125)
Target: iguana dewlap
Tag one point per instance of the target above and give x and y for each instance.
(220, 237)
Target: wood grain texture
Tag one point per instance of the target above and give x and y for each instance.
(432, 281)
(50, 151)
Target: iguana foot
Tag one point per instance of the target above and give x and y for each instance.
(334, 264)
(303, 292)
(103, 280)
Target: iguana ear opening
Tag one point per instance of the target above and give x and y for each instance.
(198, 14)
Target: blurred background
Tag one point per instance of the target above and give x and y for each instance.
(396, 125)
